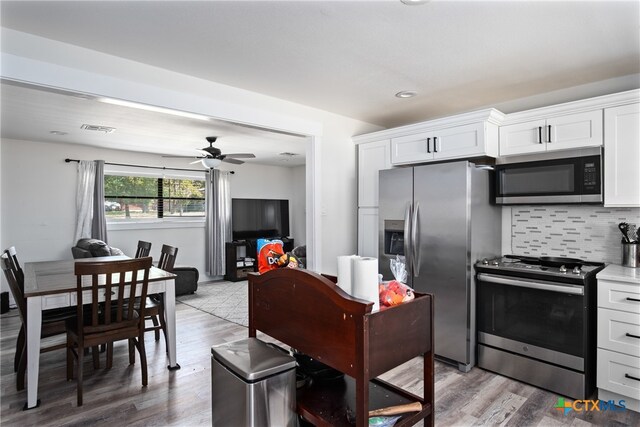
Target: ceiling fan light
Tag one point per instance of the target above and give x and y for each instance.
(211, 163)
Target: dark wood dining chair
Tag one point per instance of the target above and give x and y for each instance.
(155, 302)
(53, 322)
(144, 248)
(13, 258)
(112, 318)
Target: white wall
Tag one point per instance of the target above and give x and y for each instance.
(89, 71)
(38, 200)
(297, 208)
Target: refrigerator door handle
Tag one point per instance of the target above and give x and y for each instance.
(415, 241)
(407, 237)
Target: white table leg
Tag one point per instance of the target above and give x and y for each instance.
(34, 327)
(170, 318)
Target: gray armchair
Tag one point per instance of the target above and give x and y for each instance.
(89, 248)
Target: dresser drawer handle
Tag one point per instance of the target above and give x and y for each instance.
(633, 299)
(633, 336)
(633, 378)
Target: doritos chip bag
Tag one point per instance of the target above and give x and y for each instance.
(269, 253)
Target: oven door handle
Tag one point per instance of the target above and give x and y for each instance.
(545, 286)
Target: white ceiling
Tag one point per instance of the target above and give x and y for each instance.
(351, 57)
(32, 113)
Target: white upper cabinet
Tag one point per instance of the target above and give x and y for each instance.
(462, 136)
(564, 132)
(372, 157)
(450, 143)
(622, 156)
(522, 138)
(412, 148)
(460, 141)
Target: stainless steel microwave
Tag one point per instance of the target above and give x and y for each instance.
(551, 181)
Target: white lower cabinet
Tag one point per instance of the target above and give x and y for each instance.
(618, 355)
(368, 232)
(617, 373)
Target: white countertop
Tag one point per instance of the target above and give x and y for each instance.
(620, 273)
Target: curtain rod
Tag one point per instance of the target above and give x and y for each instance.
(146, 167)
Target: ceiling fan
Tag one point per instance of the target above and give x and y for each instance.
(212, 156)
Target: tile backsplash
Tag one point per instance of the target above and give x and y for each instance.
(576, 231)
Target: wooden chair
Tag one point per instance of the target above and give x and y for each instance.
(53, 322)
(113, 319)
(155, 302)
(144, 248)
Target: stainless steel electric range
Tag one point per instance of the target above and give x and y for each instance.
(536, 321)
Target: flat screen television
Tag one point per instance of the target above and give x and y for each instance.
(255, 218)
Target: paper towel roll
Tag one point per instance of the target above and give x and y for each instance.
(365, 280)
(345, 272)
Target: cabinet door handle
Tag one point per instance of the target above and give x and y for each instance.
(632, 377)
(539, 134)
(633, 299)
(428, 142)
(549, 133)
(435, 144)
(633, 336)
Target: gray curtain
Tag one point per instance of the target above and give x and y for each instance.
(84, 198)
(99, 222)
(218, 224)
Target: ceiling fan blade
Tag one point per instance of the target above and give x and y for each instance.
(241, 155)
(234, 161)
(181, 157)
(197, 161)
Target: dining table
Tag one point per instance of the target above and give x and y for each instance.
(53, 284)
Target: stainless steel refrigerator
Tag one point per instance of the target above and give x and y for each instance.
(440, 219)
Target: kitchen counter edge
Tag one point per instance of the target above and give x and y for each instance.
(620, 273)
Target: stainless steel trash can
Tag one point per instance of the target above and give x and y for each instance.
(252, 384)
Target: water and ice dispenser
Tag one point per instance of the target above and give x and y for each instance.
(394, 237)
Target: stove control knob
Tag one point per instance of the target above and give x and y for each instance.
(485, 262)
(576, 270)
(494, 262)
(563, 269)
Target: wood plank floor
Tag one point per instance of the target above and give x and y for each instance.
(182, 397)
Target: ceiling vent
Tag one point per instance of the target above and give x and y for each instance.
(98, 128)
(287, 154)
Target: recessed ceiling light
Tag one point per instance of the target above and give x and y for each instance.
(414, 2)
(57, 132)
(406, 94)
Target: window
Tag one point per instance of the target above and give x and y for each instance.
(139, 197)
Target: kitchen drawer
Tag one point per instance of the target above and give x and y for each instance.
(613, 327)
(619, 296)
(612, 368)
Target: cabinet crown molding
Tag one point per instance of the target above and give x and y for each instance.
(496, 117)
(489, 115)
(582, 105)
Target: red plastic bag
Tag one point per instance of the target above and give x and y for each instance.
(394, 293)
